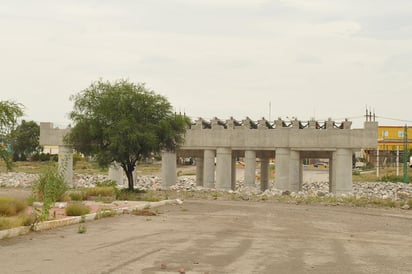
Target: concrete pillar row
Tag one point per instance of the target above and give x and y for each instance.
(66, 163)
(169, 176)
(223, 168)
(209, 168)
(264, 174)
(342, 171)
(250, 168)
(199, 171)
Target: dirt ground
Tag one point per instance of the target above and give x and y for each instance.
(223, 237)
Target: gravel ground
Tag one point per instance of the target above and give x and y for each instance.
(223, 237)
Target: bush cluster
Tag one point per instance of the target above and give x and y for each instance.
(77, 209)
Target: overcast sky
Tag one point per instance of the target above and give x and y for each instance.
(305, 58)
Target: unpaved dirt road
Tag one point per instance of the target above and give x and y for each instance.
(223, 237)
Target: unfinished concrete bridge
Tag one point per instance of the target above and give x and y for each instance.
(216, 144)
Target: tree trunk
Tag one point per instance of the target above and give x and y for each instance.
(129, 175)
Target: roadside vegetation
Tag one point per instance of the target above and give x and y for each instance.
(13, 213)
(385, 175)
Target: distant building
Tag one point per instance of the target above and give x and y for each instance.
(391, 138)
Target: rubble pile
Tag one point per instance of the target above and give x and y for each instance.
(311, 187)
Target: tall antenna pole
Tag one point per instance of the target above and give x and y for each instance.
(270, 110)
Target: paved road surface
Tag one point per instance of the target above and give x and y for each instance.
(223, 237)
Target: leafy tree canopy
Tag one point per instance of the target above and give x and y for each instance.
(123, 122)
(25, 140)
(9, 113)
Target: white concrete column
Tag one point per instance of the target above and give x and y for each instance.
(169, 175)
(264, 174)
(342, 171)
(199, 171)
(116, 173)
(331, 172)
(66, 163)
(223, 168)
(282, 168)
(295, 171)
(250, 168)
(233, 185)
(209, 168)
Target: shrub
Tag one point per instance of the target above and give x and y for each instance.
(50, 185)
(105, 213)
(76, 196)
(82, 228)
(10, 206)
(77, 209)
(49, 188)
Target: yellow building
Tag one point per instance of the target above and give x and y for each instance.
(391, 138)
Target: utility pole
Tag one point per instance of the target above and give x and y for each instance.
(405, 155)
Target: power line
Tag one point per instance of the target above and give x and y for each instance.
(394, 119)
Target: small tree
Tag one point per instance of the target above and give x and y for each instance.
(25, 140)
(9, 113)
(123, 122)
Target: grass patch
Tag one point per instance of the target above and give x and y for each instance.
(15, 221)
(77, 209)
(10, 206)
(100, 191)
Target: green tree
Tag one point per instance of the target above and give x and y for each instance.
(25, 140)
(123, 122)
(9, 113)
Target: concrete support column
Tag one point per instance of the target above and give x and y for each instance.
(66, 163)
(199, 171)
(223, 168)
(264, 174)
(330, 173)
(295, 171)
(116, 173)
(233, 185)
(282, 168)
(169, 176)
(342, 171)
(209, 168)
(250, 168)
